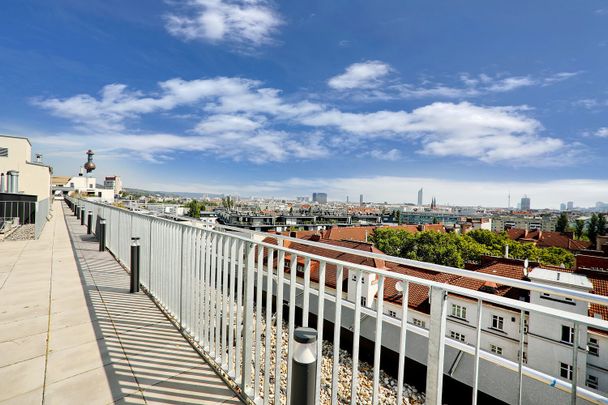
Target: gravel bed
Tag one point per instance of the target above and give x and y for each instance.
(24, 232)
(388, 384)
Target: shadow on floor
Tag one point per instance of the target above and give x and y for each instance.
(146, 360)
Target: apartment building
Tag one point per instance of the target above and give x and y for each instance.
(547, 341)
(19, 174)
(83, 185)
(503, 222)
(114, 183)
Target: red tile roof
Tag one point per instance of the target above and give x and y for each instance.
(591, 262)
(363, 233)
(544, 239)
(418, 294)
(352, 233)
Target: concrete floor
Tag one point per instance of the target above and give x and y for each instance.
(70, 332)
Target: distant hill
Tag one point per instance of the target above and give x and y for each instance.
(172, 193)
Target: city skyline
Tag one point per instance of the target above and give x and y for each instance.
(288, 99)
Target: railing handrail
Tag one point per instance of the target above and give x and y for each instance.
(526, 285)
(208, 247)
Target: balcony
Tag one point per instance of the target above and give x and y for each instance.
(231, 300)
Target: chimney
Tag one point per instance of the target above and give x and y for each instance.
(38, 158)
(525, 233)
(506, 251)
(315, 238)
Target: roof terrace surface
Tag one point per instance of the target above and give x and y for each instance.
(70, 332)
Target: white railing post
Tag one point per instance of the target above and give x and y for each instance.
(436, 348)
(248, 320)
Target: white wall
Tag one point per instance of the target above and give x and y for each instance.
(33, 179)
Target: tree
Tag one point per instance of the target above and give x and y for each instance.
(228, 203)
(455, 250)
(579, 228)
(194, 209)
(556, 256)
(562, 223)
(592, 228)
(398, 216)
(601, 225)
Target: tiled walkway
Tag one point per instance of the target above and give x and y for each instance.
(70, 332)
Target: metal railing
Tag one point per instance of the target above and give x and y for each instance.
(24, 213)
(213, 281)
(42, 212)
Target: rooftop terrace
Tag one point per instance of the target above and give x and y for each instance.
(70, 329)
(71, 333)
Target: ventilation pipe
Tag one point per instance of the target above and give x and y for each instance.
(38, 158)
(506, 251)
(2, 183)
(12, 181)
(15, 181)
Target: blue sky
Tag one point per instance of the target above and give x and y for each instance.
(470, 100)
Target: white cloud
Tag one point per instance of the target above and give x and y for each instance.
(602, 132)
(227, 123)
(474, 86)
(261, 146)
(116, 103)
(591, 103)
(392, 155)
(362, 75)
(490, 134)
(245, 23)
(245, 116)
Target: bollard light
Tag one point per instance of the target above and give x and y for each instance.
(102, 235)
(82, 216)
(134, 265)
(304, 366)
(89, 222)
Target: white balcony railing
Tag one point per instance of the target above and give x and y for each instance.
(212, 281)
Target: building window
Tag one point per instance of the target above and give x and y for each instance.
(457, 336)
(592, 381)
(363, 301)
(3, 152)
(567, 334)
(418, 323)
(496, 350)
(497, 322)
(593, 347)
(459, 311)
(392, 314)
(565, 371)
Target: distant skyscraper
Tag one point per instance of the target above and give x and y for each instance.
(360, 199)
(347, 199)
(320, 198)
(420, 197)
(525, 203)
(570, 205)
(562, 207)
